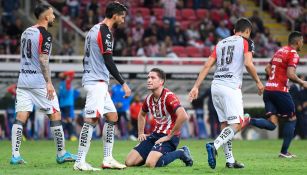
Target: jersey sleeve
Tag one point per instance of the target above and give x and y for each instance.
(248, 45)
(45, 42)
(293, 59)
(213, 53)
(105, 40)
(172, 103)
(145, 106)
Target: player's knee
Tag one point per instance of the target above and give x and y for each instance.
(112, 117)
(150, 163)
(130, 162)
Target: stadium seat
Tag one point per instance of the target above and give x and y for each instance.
(217, 3)
(184, 25)
(206, 51)
(145, 12)
(159, 12)
(180, 51)
(201, 13)
(178, 15)
(188, 14)
(193, 51)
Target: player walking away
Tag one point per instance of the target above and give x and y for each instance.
(35, 87)
(98, 64)
(230, 55)
(276, 97)
(159, 148)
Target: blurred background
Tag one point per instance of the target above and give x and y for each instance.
(175, 35)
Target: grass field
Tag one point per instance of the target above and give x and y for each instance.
(259, 157)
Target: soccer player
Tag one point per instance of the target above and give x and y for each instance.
(34, 85)
(230, 55)
(159, 148)
(276, 97)
(98, 65)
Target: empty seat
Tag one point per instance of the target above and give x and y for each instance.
(188, 14)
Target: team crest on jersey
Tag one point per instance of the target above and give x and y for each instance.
(49, 39)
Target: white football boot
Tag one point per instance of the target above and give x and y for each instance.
(111, 163)
(85, 167)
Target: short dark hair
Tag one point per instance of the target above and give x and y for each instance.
(294, 36)
(115, 8)
(160, 72)
(39, 9)
(242, 24)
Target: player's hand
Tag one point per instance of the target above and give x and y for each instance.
(142, 137)
(163, 139)
(305, 85)
(127, 90)
(50, 91)
(193, 94)
(260, 87)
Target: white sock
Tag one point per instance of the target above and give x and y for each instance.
(225, 135)
(58, 136)
(84, 142)
(16, 138)
(228, 152)
(108, 139)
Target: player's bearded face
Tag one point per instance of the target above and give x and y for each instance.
(153, 81)
(50, 18)
(300, 44)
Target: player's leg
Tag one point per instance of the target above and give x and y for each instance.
(111, 118)
(93, 109)
(270, 108)
(24, 106)
(229, 103)
(164, 153)
(139, 153)
(52, 109)
(286, 108)
(230, 160)
(17, 128)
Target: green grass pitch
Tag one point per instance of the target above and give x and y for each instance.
(259, 157)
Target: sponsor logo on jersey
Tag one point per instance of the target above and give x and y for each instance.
(223, 76)
(277, 60)
(23, 71)
(271, 84)
(223, 69)
(109, 36)
(108, 43)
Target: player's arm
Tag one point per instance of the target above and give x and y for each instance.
(250, 67)
(142, 120)
(268, 69)
(202, 75)
(44, 52)
(106, 50)
(182, 117)
(291, 73)
(141, 125)
(291, 70)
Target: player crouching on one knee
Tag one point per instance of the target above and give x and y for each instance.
(159, 148)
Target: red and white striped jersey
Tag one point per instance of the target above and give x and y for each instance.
(163, 110)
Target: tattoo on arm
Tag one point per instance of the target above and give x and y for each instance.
(44, 64)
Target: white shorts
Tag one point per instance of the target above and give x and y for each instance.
(228, 103)
(98, 100)
(27, 98)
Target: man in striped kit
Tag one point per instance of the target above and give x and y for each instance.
(159, 148)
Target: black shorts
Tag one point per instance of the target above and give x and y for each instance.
(149, 145)
(278, 103)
